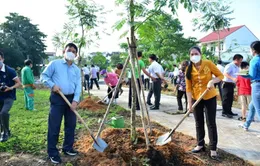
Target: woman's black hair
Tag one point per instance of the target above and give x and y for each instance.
(188, 73)
(256, 46)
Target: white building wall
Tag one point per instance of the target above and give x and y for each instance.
(242, 37)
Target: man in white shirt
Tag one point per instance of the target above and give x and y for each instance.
(221, 68)
(229, 83)
(175, 74)
(86, 72)
(93, 77)
(97, 69)
(156, 72)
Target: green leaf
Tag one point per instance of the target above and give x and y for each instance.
(119, 24)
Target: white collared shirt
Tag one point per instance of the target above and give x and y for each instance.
(85, 70)
(155, 68)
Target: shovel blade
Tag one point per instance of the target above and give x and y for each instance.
(101, 145)
(162, 140)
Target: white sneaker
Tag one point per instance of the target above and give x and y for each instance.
(115, 101)
(107, 101)
(243, 127)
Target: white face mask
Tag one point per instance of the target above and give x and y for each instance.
(1, 63)
(70, 56)
(195, 58)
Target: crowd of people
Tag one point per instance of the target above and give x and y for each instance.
(191, 79)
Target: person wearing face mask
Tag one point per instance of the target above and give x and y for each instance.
(28, 85)
(62, 75)
(198, 79)
(111, 80)
(254, 75)
(181, 87)
(9, 81)
(229, 84)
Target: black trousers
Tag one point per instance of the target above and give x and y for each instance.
(91, 83)
(98, 76)
(111, 94)
(179, 97)
(210, 113)
(130, 95)
(146, 83)
(228, 97)
(86, 81)
(219, 85)
(150, 93)
(157, 92)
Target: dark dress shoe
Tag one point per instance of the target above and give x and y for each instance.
(227, 115)
(154, 108)
(203, 149)
(233, 114)
(149, 103)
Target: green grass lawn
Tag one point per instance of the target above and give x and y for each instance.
(29, 128)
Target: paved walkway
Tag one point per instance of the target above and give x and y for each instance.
(231, 138)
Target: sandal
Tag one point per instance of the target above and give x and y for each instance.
(241, 118)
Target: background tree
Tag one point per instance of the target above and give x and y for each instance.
(83, 13)
(60, 39)
(214, 17)
(162, 36)
(100, 60)
(20, 40)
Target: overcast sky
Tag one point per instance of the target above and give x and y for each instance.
(50, 15)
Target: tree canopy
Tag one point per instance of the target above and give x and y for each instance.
(161, 35)
(20, 39)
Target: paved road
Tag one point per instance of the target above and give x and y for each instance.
(231, 138)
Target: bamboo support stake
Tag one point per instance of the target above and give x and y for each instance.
(143, 95)
(113, 97)
(138, 94)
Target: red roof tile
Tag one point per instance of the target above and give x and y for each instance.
(223, 33)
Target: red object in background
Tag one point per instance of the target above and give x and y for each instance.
(244, 85)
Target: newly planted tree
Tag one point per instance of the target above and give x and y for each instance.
(138, 12)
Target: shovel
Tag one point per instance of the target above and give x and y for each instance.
(99, 144)
(164, 139)
(100, 101)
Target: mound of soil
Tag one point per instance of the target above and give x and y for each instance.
(122, 152)
(91, 104)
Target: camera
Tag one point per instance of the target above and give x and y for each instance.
(2, 87)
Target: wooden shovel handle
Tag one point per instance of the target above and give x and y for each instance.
(188, 112)
(77, 114)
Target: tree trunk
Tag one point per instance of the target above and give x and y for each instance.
(79, 62)
(219, 55)
(133, 104)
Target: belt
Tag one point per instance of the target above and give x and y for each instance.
(229, 83)
(27, 85)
